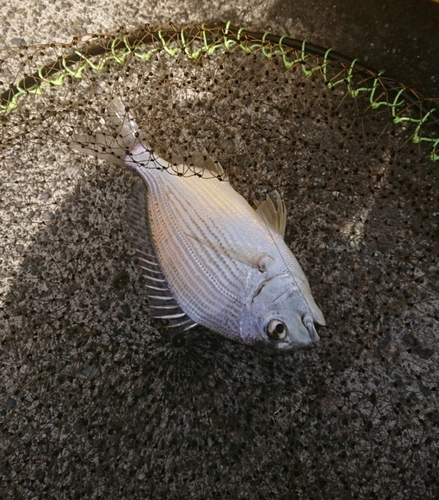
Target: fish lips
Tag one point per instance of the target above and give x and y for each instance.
(304, 335)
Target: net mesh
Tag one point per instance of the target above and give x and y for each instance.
(98, 400)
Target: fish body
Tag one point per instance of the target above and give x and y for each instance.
(209, 258)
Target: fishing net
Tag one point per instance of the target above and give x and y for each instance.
(98, 400)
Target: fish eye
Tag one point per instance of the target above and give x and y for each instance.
(276, 330)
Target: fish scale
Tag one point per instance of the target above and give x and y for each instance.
(206, 227)
(193, 270)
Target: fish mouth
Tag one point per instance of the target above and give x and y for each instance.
(308, 338)
(287, 346)
(308, 321)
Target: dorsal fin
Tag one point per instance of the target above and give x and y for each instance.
(204, 162)
(162, 302)
(208, 163)
(274, 216)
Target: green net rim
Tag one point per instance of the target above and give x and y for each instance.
(197, 40)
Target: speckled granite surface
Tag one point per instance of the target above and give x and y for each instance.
(96, 400)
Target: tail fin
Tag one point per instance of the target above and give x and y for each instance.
(115, 140)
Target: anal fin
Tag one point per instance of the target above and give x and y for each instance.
(161, 300)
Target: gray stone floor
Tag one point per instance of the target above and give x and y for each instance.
(98, 401)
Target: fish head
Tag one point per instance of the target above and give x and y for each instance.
(281, 313)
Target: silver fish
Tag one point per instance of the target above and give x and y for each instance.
(208, 257)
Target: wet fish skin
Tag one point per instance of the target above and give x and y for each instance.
(226, 264)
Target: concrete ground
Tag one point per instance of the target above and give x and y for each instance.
(96, 400)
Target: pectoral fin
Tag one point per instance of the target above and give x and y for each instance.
(274, 216)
